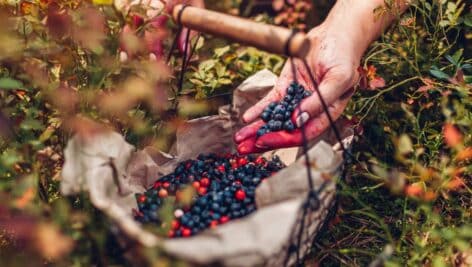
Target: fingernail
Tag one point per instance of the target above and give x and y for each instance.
(237, 137)
(123, 56)
(152, 57)
(302, 118)
(261, 145)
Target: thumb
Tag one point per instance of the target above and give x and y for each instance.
(334, 86)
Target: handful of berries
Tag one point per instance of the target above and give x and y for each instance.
(225, 186)
(277, 115)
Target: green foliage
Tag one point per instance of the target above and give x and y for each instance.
(230, 65)
(408, 200)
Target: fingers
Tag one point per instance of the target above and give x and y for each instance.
(313, 128)
(285, 78)
(248, 131)
(332, 87)
(253, 112)
(248, 146)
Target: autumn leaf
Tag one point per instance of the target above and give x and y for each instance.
(377, 82)
(102, 2)
(452, 136)
(414, 190)
(25, 199)
(464, 154)
(51, 243)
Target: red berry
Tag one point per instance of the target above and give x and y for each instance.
(202, 191)
(213, 223)
(156, 185)
(188, 165)
(175, 225)
(234, 166)
(171, 233)
(186, 232)
(163, 193)
(224, 219)
(196, 185)
(240, 195)
(166, 184)
(237, 182)
(205, 182)
(242, 161)
(221, 168)
(260, 160)
(142, 198)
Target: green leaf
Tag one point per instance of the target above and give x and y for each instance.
(405, 145)
(102, 2)
(468, 20)
(197, 82)
(457, 56)
(10, 84)
(224, 81)
(221, 51)
(452, 60)
(31, 124)
(438, 73)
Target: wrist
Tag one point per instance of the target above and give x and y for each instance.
(359, 22)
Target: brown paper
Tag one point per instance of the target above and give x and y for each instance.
(112, 171)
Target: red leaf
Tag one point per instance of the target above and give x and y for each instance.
(452, 136)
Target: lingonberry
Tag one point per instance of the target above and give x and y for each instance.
(240, 195)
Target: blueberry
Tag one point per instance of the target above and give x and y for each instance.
(265, 116)
(287, 115)
(223, 210)
(277, 125)
(205, 214)
(288, 98)
(260, 132)
(279, 109)
(300, 89)
(235, 214)
(228, 200)
(272, 105)
(178, 233)
(279, 117)
(291, 90)
(196, 209)
(306, 94)
(288, 125)
(216, 216)
(235, 206)
(190, 224)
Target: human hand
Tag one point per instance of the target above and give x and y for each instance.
(333, 60)
(153, 36)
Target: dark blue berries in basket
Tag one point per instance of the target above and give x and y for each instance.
(277, 115)
(225, 188)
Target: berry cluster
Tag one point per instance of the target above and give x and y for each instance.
(277, 115)
(225, 190)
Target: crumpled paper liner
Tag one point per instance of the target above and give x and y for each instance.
(111, 171)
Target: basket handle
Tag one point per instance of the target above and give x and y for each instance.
(270, 38)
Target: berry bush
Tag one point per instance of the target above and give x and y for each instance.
(81, 66)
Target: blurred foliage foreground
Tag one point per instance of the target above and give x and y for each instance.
(78, 66)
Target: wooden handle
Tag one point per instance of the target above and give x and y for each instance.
(266, 37)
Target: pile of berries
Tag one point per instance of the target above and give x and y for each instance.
(277, 115)
(225, 188)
